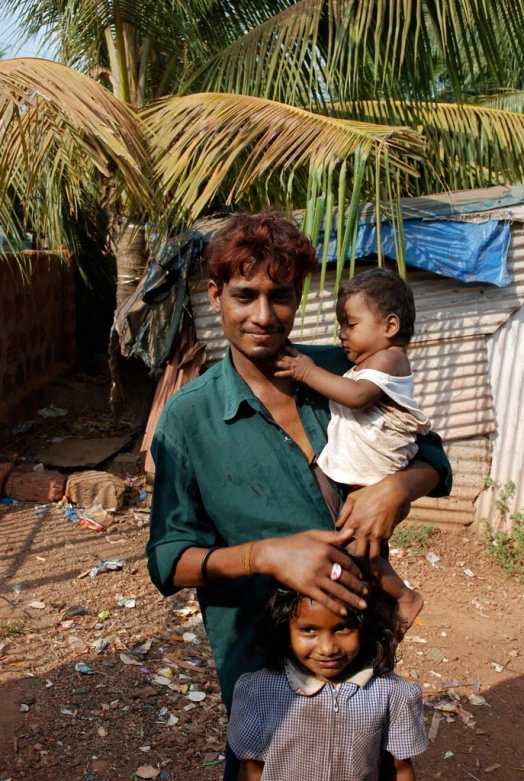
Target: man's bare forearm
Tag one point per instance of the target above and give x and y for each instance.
(223, 564)
(417, 480)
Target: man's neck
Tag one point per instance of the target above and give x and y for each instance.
(260, 375)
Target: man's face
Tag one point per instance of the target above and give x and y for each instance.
(257, 313)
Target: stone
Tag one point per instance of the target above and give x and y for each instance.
(87, 489)
(5, 468)
(35, 486)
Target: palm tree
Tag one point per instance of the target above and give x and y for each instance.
(314, 104)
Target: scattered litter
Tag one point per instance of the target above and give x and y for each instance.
(435, 655)
(469, 573)
(86, 522)
(37, 605)
(491, 768)
(448, 755)
(196, 696)
(167, 672)
(104, 614)
(100, 645)
(40, 558)
(457, 684)
(446, 707)
(172, 720)
(76, 610)
(189, 637)
(498, 667)
(22, 427)
(143, 648)
(145, 749)
(475, 699)
(17, 588)
(43, 510)
(443, 634)
(24, 708)
(67, 712)
(48, 684)
(106, 565)
(147, 771)
(129, 660)
(467, 717)
(127, 603)
(433, 730)
(437, 675)
(102, 732)
(71, 513)
(162, 680)
(84, 669)
(419, 621)
(8, 500)
(408, 584)
(143, 495)
(38, 468)
(415, 639)
(52, 412)
(432, 558)
(116, 539)
(77, 644)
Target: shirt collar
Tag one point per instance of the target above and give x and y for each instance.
(236, 389)
(307, 685)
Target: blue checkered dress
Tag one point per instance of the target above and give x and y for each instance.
(321, 733)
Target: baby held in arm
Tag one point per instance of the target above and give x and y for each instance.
(374, 418)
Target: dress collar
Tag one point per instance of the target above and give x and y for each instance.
(307, 685)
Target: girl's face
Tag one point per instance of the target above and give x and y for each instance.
(321, 641)
(362, 333)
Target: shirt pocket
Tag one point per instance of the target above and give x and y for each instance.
(365, 754)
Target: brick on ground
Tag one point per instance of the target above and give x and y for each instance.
(35, 486)
(91, 488)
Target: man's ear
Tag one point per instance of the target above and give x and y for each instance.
(392, 326)
(214, 294)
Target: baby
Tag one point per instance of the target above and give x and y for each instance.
(374, 418)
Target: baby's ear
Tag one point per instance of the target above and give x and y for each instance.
(392, 325)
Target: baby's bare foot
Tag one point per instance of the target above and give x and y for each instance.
(410, 603)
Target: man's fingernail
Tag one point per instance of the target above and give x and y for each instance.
(365, 591)
(343, 611)
(362, 605)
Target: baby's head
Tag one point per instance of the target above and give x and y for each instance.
(298, 628)
(375, 310)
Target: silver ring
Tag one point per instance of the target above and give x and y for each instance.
(336, 571)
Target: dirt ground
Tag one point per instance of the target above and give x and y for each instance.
(112, 716)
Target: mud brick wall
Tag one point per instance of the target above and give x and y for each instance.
(37, 320)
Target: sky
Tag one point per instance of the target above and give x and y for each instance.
(9, 33)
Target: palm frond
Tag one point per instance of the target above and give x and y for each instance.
(203, 142)
(60, 134)
(467, 146)
(344, 49)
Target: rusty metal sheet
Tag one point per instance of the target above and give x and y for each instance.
(77, 452)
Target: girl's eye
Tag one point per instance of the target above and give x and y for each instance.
(307, 630)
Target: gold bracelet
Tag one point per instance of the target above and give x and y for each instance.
(245, 558)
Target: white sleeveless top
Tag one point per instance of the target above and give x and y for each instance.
(365, 445)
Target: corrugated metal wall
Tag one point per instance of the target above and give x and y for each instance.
(506, 373)
(451, 366)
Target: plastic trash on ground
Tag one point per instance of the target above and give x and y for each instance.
(106, 565)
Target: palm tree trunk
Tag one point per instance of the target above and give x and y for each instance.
(131, 259)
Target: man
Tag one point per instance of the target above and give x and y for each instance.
(238, 497)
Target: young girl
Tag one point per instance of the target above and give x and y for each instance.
(328, 703)
(374, 418)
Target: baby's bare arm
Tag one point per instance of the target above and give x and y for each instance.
(356, 395)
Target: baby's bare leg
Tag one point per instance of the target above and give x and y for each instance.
(410, 602)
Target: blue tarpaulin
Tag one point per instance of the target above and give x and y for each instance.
(469, 251)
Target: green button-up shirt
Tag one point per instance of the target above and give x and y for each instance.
(226, 473)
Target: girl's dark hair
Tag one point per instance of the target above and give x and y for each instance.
(378, 629)
(386, 293)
